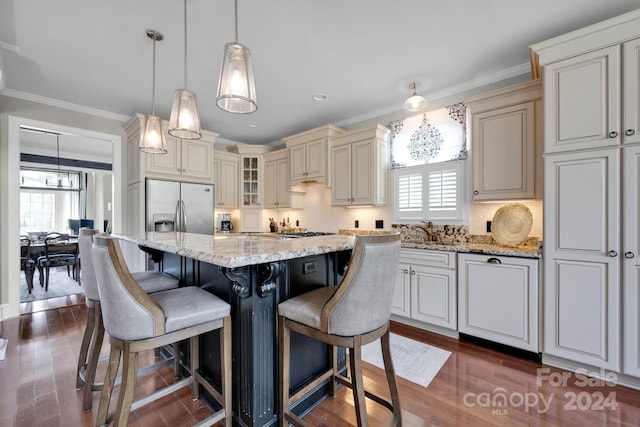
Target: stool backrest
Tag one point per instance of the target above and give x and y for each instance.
(128, 312)
(85, 242)
(362, 302)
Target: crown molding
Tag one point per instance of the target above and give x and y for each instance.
(65, 105)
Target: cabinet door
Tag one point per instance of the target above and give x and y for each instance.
(498, 299)
(271, 184)
(341, 175)
(582, 101)
(297, 156)
(631, 245)
(433, 296)
(363, 173)
(197, 157)
(400, 304)
(582, 267)
(316, 159)
(226, 183)
(168, 164)
(631, 84)
(283, 184)
(503, 153)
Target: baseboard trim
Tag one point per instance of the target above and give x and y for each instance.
(426, 326)
(591, 371)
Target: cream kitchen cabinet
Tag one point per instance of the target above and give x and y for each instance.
(425, 288)
(185, 160)
(498, 299)
(277, 185)
(225, 179)
(631, 261)
(506, 141)
(251, 164)
(582, 266)
(591, 87)
(359, 162)
(309, 154)
(592, 109)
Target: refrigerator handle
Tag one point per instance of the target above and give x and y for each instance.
(184, 217)
(178, 217)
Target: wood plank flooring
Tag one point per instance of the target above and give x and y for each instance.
(37, 385)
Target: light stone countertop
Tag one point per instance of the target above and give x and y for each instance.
(476, 248)
(238, 250)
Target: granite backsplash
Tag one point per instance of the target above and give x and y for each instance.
(449, 235)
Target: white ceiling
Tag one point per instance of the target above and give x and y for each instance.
(362, 53)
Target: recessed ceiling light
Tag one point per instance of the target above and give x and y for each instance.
(252, 124)
(319, 97)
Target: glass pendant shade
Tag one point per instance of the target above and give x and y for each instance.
(184, 121)
(236, 87)
(152, 137)
(415, 103)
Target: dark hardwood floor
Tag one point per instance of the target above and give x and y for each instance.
(37, 383)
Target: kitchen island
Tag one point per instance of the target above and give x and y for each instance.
(254, 274)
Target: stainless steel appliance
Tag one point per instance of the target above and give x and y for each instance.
(179, 206)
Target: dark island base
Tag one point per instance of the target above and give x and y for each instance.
(254, 293)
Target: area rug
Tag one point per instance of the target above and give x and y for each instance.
(412, 360)
(60, 285)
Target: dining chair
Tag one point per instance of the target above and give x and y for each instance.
(26, 263)
(350, 315)
(137, 321)
(60, 251)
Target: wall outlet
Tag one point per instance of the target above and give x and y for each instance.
(309, 267)
(356, 224)
(379, 223)
(488, 226)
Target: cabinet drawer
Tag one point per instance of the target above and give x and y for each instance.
(428, 258)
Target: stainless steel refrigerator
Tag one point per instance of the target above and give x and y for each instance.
(179, 206)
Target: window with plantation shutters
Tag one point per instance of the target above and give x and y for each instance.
(408, 184)
(429, 192)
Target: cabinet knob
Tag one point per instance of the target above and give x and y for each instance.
(413, 272)
(629, 255)
(494, 261)
(629, 132)
(613, 254)
(405, 271)
(613, 134)
(476, 192)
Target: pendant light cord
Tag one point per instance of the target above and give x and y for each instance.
(185, 44)
(153, 79)
(235, 24)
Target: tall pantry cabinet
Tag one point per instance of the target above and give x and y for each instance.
(592, 176)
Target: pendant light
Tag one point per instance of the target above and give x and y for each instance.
(236, 87)
(59, 183)
(152, 138)
(415, 102)
(184, 121)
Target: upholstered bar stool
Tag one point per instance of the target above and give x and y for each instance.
(149, 281)
(137, 321)
(352, 314)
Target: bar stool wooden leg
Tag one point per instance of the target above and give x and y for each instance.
(84, 347)
(125, 397)
(334, 365)
(109, 380)
(92, 360)
(355, 359)
(195, 365)
(391, 377)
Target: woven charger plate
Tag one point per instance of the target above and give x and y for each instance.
(511, 224)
